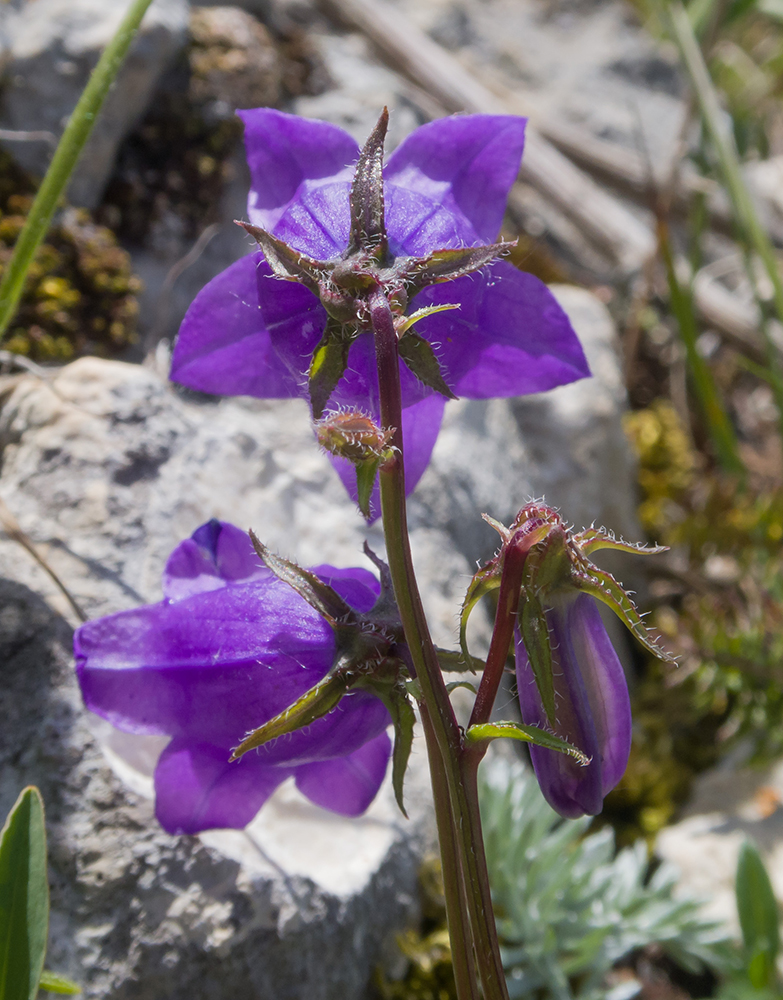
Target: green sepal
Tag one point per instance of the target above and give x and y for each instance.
(53, 982)
(286, 262)
(593, 539)
(456, 661)
(330, 359)
(368, 218)
(404, 719)
(605, 588)
(535, 635)
(485, 580)
(548, 564)
(312, 705)
(418, 355)
(366, 473)
(453, 685)
(528, 734)
(24, 898)
(406, 322)
(448, 264)
(758, 915)
(319, 595)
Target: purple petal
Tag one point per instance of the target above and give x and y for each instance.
(420, 426)
(607, 689)
(510, 337)
(592, 709)
(224, 346)
(216, 663)
(359, 587)
(197, 789)
(448, 182)
(347, 785)
(217, 553)
(300, 173)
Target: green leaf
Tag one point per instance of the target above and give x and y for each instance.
(52, 982)
(485, 580)
(404, 719)
(453, 685)
(606, 589)
(286, 262)
(593, 539)
(312, 705)
(330, 359)
(365, 483)
(455, 661)
(24, 898)
(448, 264)
(311, 588)
(527, 734)
(406, 323)
(418, 355)
(535, 634)
(758, 915)
(368, 218)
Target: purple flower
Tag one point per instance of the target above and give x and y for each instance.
(445, 187)
(592, 708)
(228, 648)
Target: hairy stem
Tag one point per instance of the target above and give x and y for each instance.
(462, 952)
(66, 155)
(457, 760)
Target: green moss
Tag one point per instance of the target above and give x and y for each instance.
(80, 293)
(430, 975)
(721, 613)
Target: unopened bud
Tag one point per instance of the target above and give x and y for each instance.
(353, 435)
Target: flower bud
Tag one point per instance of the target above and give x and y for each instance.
(353, 435)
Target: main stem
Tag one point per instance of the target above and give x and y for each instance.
(459, 763)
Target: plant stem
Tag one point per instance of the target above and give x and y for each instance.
(718, 424)
(462, 952)
(502, 633)
(456, 759)
(71, 143)
(720, 131)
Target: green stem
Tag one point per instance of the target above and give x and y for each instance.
(462, 952)
(718, 424)
(456, 760)
(71, 143)
(722, 137)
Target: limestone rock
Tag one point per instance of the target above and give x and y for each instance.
(729, 804)
(52, 47)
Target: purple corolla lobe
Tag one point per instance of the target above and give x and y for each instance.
(592, 707)
(230, 647)
(445, 187)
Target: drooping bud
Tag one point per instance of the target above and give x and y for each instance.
(355, 436)
(570, 680)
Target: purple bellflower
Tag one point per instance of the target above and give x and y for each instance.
(230, 647)
(570, 680)
(418, 227)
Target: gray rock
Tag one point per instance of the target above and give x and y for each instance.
(52, 47)
(729, 804)
(107, 468)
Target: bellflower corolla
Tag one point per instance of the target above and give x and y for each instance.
(570, 680)
(228, 648)
(443, 189)
(592, 708)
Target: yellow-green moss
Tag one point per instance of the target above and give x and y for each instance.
(80, 293)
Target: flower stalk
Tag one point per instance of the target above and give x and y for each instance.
(459, 827)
